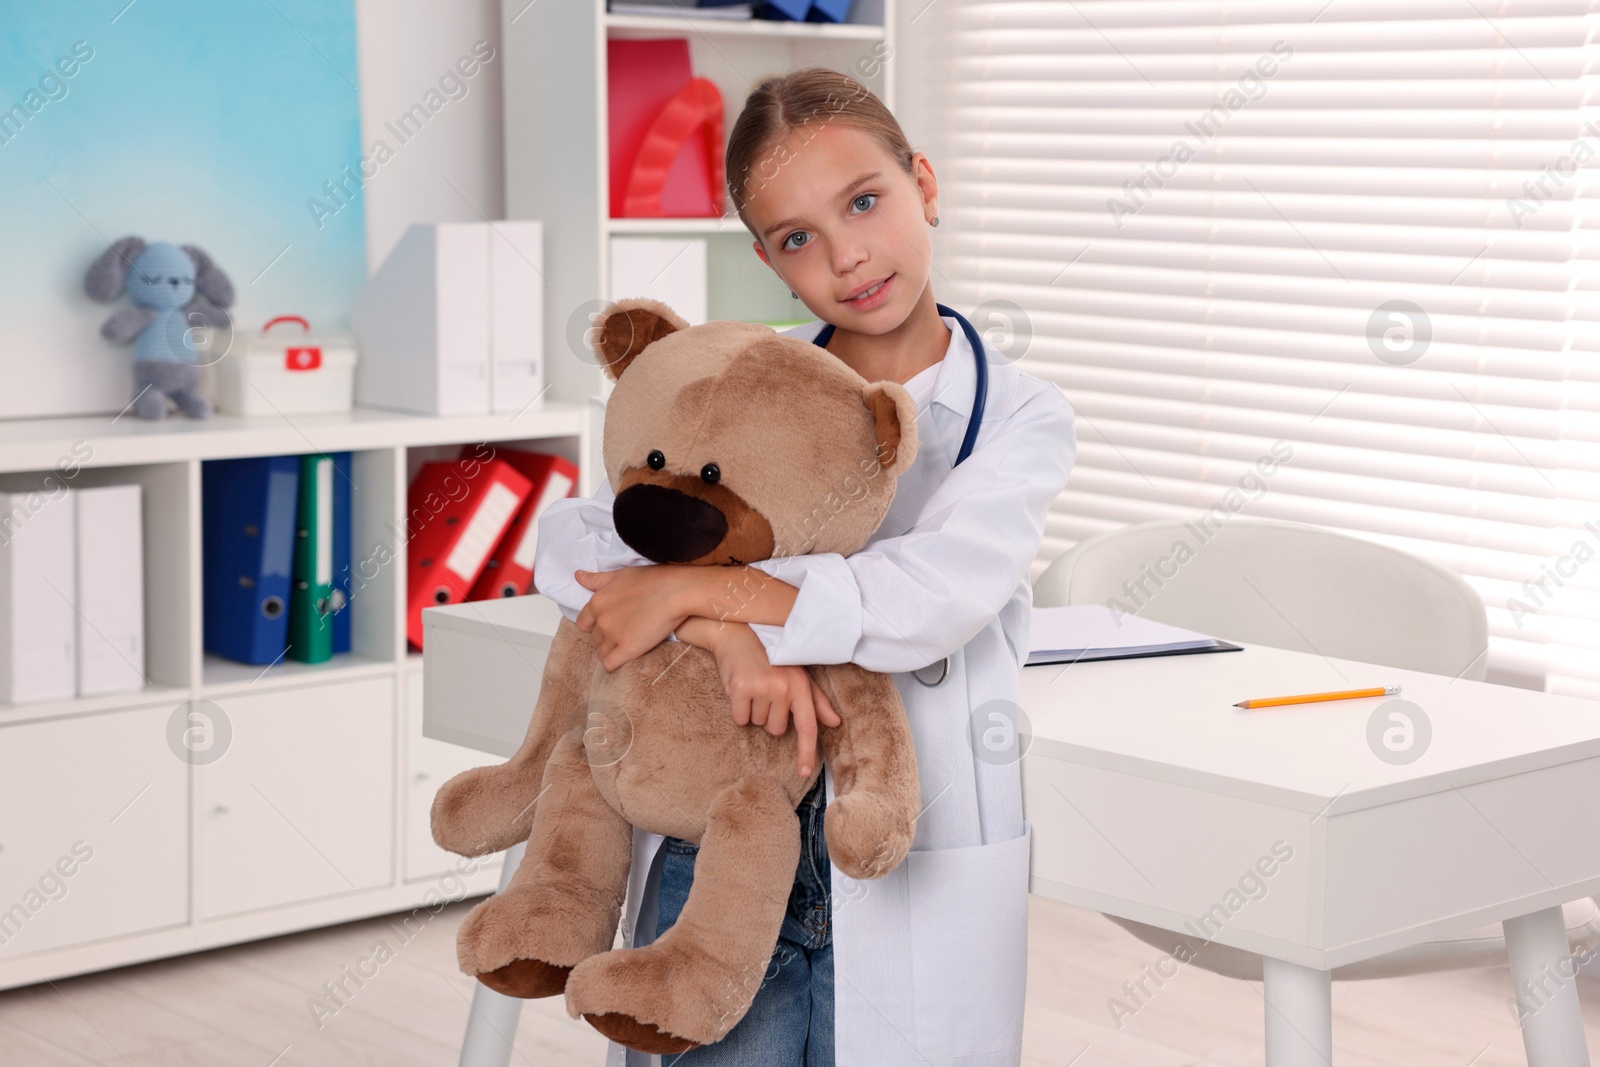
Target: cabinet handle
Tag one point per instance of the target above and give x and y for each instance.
(220, 809)
(422, 776)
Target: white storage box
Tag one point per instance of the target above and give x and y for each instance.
(288, 372)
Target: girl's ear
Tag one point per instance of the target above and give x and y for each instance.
(894, 417)
(626, 328)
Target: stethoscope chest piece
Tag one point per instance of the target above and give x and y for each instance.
(944, 669)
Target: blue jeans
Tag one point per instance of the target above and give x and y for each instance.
(790, 1022)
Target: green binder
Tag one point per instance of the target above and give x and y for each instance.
(311, 591)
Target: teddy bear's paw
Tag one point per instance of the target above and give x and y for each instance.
(864, 839)
(494, 946)
(665, 997)
(530, 936)
(527, 979)
(644, 1037)
(480, 811)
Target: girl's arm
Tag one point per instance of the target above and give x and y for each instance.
(576, 533)
(760, 693)
(578, 540)
(904, 602)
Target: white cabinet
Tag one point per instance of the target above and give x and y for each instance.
(314, 812)
(429, 764)
(301, 805)
(94, 830)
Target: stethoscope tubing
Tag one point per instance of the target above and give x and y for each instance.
(980, 397)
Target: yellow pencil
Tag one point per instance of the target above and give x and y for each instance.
(1306, 698)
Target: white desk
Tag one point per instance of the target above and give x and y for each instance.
(1151, 797)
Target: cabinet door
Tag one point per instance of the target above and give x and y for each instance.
(94, 830)
(429, 764)
(301, 805)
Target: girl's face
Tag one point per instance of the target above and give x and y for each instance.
(830, 235)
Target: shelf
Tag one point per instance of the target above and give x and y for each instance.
(628, 25)
(220, 676)
(100, 441)
(57, 709)
(706, 226)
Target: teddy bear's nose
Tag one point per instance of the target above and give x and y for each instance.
(667, 525)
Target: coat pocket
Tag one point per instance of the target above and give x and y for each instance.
(969, 950)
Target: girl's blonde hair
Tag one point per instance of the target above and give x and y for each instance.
(785, 103)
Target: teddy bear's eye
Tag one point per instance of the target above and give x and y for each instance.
(656, 459)
(709, 474)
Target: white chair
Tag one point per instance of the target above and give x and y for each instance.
(1299, 587)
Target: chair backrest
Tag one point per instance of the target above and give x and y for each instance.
(1282, 584)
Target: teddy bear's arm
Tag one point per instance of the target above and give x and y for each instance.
(489, 809)
(126, 323)
(872, 817)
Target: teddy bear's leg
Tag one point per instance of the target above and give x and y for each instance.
(562, 905)
(693, 983)
(489, 809)
(871, 820)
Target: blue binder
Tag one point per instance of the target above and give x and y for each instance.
(247, 528)
(342, 591)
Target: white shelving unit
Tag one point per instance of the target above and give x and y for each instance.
(317, 811)
(556, 157)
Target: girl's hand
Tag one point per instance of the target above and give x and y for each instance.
(634, 609)
(761, 694)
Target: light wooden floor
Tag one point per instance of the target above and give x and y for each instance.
(248, 1007)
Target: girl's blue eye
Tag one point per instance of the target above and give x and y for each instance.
(864, 196)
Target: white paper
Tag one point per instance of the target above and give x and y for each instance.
(1094, 631)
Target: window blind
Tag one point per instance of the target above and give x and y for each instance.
(1363, 231)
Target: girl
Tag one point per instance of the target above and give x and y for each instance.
(932, 957)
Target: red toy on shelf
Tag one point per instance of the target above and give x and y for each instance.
(665, 133)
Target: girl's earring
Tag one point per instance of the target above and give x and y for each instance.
(794, 294)
(935, 221)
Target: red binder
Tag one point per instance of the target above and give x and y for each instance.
(664, 133)
(456, 512)
(509, 571)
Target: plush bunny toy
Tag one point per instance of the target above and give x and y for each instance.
(175, 291)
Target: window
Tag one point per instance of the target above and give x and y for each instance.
(1365, 229)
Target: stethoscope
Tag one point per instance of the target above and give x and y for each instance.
(974, 421)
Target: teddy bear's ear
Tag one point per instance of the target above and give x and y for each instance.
(894, 416)
(628, 327)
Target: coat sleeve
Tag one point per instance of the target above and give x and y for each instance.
(904, 602)
(577, 534)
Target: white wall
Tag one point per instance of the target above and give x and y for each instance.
(453, 168)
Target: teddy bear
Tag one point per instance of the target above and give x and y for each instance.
(726, 443)
(176, 292)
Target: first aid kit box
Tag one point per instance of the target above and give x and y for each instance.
(288, 372)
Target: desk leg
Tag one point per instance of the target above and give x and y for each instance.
(492, 1026)
(1543, 977)
(1299, 1014)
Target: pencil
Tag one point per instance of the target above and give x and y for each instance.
(1306, 698)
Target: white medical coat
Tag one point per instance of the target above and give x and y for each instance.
(930, 961)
